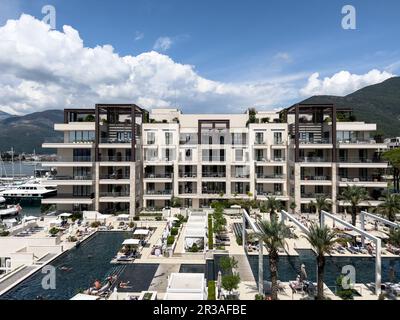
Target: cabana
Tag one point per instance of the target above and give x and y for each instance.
(186, 286)
(94, 216)
(141, 232)
(131, 242)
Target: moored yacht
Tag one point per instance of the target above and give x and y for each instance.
(29, 190)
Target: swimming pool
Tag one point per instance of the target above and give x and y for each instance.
(88, 262)
(289, 267)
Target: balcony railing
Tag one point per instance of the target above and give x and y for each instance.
(361, 179)
(71, 178)
(158, 175)
(114, 194)
(213, 159)
(214, 175)
(187, 175)
(260, 142)
(361, 160)
(270, 176)
(241, 176)
(315, 141)
(115, 158)
(274, 159)
(316, 178)
(315, 159)
(114, 176)
(308, 195)
(115, 140)
(73, 196)
(358, 141)
(158, 192)
(213, 192)
(263, 193)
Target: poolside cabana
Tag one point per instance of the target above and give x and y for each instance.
(141, 232)
(131, 242)
(94, 216)
(186, 286)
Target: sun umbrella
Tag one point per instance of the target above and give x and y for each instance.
(219, 281)
(303, 272)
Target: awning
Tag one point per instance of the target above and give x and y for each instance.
(141, 232)
(30, 218)
(123, 216)
(131, 242)
(65, 215)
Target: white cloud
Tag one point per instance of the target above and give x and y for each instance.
(49, 69)
(283, 56)
(139, 35)
(342, 83)
(163, 44)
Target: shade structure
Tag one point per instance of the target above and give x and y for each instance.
(131, 242)
(123, 216)
(141, 232)
(236, 206)
(30, 218)
(65, 215)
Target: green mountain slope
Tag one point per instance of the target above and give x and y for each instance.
(379, 103)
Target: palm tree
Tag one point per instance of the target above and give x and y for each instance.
(293, 206)
(272, 235)
(321, 203)
(354, 195)
(390, 206)
(273, 206)
(322, 239)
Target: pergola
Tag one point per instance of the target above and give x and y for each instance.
(365, 214)
(363, 233)
(285, 215)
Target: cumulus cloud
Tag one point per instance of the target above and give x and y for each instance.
(43, 69)
(342, 83)
(163, 44)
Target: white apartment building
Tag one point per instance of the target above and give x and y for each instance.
(112, 164)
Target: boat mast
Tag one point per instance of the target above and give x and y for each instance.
(12, 162)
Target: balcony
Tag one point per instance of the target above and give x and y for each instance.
(69, 178)
(361, 160)
(311, 195)
(188, 175)
(158, 176)
(214, 192)
(115, 140)
(271, 176)
(79, 180)
(115, 158)
(114, 176)
(315, 141)
(111, 194)
(214, 175)
(276, 194)
(240, 176)
(316, 178)
(315, 159)
(213, 159)
(158, 194)
(69, 198)
(362, 181)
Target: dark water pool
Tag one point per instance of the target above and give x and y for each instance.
(289, 267)
(192, 268)
(88, 262)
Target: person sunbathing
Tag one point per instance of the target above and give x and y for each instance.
(124, 285)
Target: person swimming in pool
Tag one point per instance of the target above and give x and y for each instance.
(65, 268)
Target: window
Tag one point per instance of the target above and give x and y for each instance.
(168, 138)
(151, 137)
(259, 137)
(188, 154)
(277, 137)
(239, 154)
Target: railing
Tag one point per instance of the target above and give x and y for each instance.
(258, 159)
(213, 192)
(240, 176)
(115, 158)
(361, 160)
(186, 192)
(361, 179)
(115, 140)
(157, 159)
(114, 177)
(213, 175)
(158, 176)
(278, 142)
(187, 175)
(358, 141)
(68, 178)
(213, 159)
(72, 159)
(114, 194)
(259, 142)
(158, 192)
(269, 193)
(315, 159)
(317, 141)
(315, 195)
(73, 196)
(270, 176)
(316, 178)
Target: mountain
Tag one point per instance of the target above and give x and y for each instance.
(4, 115)
(379, 103)
(27, 133)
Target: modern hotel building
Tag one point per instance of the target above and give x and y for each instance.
(109, 163)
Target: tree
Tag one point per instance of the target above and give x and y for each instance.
(390, 206)
(227, 264)
(354, 195)
(231, 282)
(394, 237)
(176, 202)
(322, 239)
(393, 157)
(272, 235)
(272, 206)
(322, 203)
(293, 206)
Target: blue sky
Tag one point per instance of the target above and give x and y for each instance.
(237, 41)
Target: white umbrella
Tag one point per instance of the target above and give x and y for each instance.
(303, 272)
(172, 219)
(30, 218)
(65, 215)
(131, 242)
(219, 282)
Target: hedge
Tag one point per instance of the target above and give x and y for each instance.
(210, 233)
(211, 290)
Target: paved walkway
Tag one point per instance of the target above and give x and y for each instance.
(16, 277)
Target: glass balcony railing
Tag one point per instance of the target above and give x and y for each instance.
(240, 176)
(213, 159)
(216, 192)
(361, 160)
(114, 176)
(213, 174)
(158, 192)
(309, 195)
(315, 159)
(315, 141)
(270, 176)
(361, 179)
(72, 159)
(158, 175)
(112, 194)
(115, 158)
(316, 178)
(187, 174)
(68, 178)
(263, 193)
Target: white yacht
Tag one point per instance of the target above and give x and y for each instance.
(10, 211)
(29, 190)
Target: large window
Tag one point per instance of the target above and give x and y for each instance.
(151, 137)
(81, 136)
(277, 137)
(168, 138)
(259, 137)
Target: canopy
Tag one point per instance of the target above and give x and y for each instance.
(123, 216)
(2, 199)
(236, 206)
(141, 232)
(30, 218)
(131, 242)
(65, 215)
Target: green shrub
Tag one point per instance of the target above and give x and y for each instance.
(95, 224)
(210, 233)
(194, 248)
(345, 294)
(259, 297)
(4, 233)
(174, 231)
(158, 218)
(211, 290)
(131, 225)
(170, 240)
(54, 231)
(136, 218)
